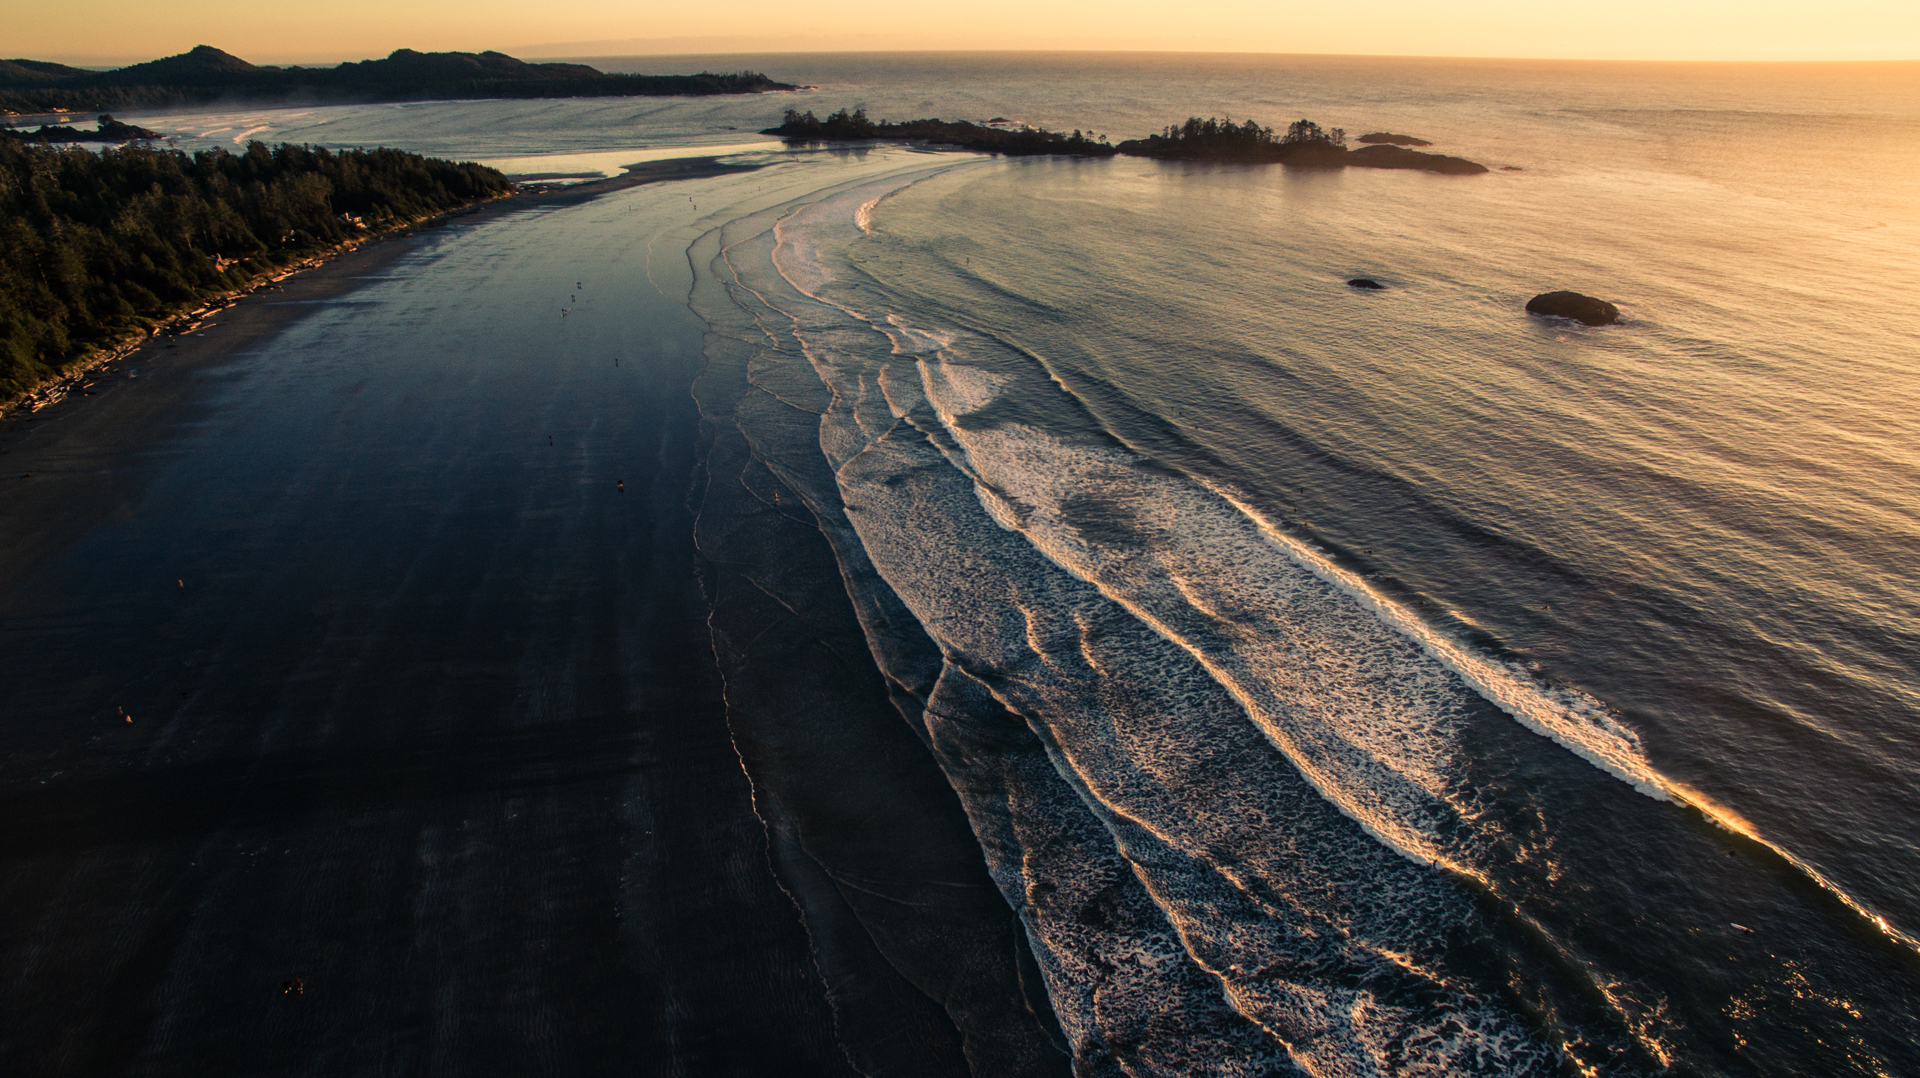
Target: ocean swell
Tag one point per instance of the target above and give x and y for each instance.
(1173, 862)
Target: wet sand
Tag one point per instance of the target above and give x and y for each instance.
(69, 464)
(393, 573)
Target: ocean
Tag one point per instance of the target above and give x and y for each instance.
(1331, 681)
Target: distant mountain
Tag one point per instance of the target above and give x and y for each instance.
(206, 73)
(12, 71)
(202, 67)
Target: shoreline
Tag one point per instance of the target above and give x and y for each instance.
(58, 387)
(330, 661)
(83, 373)
(53, 457)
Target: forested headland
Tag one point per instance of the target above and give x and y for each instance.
(100, 247)
(1304, 144)
(208, 74)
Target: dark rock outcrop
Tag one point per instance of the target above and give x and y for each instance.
(1401, 157)
(1366, 283)
(109, 130)
(1379, 138)
(1593, 312)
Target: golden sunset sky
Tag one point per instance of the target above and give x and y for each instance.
(265, 31)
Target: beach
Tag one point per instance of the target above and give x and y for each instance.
(356, 665)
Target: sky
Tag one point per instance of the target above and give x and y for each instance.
(291, 31)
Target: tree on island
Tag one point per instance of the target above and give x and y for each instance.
(853, 125)
(845, 124)
(1221, 137)
(1305, 145)
(1218, 132)
(1308, 133)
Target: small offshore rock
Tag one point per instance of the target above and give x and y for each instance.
(1401, 157)
(1387, 138)
(1594, 312)
(1366, 283)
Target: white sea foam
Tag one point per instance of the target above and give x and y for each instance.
(1362, 717)
(1120, 666)
(1572, 719)
(1129, 997)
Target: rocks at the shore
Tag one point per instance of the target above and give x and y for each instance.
(1382, 138)
(1401, 157)
(1318, 154)
(1593, 312)
(1366, 284)
(108, 130)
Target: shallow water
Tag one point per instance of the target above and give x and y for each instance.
(1437, 689)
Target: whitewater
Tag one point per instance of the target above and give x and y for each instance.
(1181, 674)
(1266, 779)
(1141, 650)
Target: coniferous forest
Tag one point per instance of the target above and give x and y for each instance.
(95, 246)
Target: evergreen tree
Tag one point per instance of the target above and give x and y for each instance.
(96, 245)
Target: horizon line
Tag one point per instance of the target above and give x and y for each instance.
(617, 48)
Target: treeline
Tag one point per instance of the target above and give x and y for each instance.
(97, 245)
(206, 74)
(854, 125)
(1215, 138)
(1305, 145)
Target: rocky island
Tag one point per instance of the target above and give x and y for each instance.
(107, 129)
(854, 126)
(1573, 305)
(1304, 145)
(206, 74)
